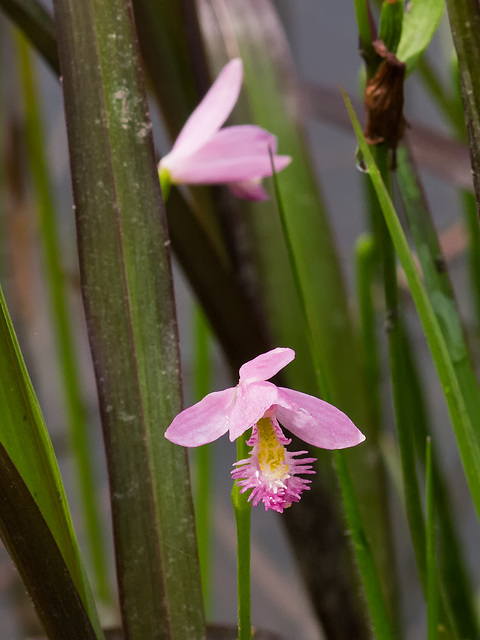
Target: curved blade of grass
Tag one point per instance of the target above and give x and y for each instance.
(465, 434)
(128, 297)
(437, 282)
(39, 560)
(419, 24)
(25, 439)
(63, 331)
(37, 25)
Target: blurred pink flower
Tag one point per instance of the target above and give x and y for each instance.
(271, 471)
(238, 156)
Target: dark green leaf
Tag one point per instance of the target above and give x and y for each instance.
(127, 289)
(39, 560)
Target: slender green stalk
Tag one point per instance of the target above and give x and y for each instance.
(203, 455)
(391, 19)
(63, 330)
(243, 510)
(364, 32)
(432, 574)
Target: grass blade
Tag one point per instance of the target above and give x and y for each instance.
(465, 434)
(39, 559)
(24, 437)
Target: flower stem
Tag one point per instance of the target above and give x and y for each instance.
(242, 509)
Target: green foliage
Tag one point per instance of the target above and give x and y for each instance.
(419, 24)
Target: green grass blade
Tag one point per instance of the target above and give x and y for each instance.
(466, 436)
(127, 290)
(25, 439)
(63, 331)
(39, 560)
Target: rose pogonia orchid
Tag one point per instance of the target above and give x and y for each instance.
(238, 156)
(271, 472)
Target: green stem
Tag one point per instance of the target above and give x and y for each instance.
(63, 332)
(365, 34)
(242, 509)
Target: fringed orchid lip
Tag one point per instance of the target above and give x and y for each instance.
(271, 472)
(239, 156)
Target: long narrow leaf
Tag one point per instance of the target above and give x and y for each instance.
(24, 436)
(127, 290)
(39, 559)
(465, 434)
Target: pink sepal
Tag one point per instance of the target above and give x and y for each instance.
(316, 421)
(204, 422)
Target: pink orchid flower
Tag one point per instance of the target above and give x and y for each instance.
(271, 472)
(238, 156)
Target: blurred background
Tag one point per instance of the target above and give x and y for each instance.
(323, 40)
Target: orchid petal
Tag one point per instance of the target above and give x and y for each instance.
(266, 365)
(203, 422)
(234, 154)
(226, 170)
(316, 421)
(251, 403)
(212, 111)
(249, 190)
